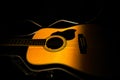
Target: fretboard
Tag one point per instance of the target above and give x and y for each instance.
(22, 42)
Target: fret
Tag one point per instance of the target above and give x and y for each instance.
(23, 42)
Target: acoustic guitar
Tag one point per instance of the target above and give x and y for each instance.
(80, 47)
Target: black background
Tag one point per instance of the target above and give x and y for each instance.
(14, 16)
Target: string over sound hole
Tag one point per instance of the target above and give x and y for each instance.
(55, 43)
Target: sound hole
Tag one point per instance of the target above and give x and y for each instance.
(54, 43)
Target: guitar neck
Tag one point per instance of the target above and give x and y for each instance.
(23, 42)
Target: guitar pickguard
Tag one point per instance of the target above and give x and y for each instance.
(67, 34)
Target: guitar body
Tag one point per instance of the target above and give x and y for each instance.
(91, 61)
(69, 55)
